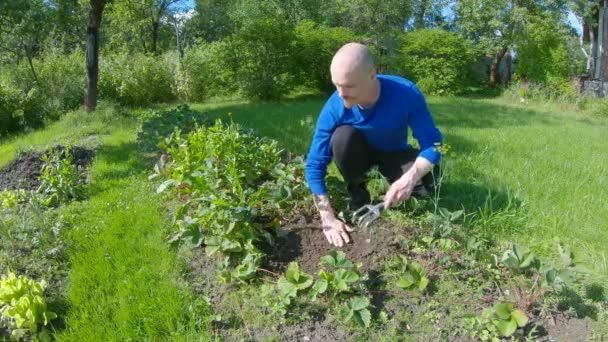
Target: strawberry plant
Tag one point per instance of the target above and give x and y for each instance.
(341, 275)
(339, 283)
(294, 281)
(405, 275)
(501, 320)
(23, 308)
(357, 309)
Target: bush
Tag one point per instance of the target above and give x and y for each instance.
(134, 80)
(206, 71)
(61, 79)
(314, 47)
(19, 110)
(440, 62)
(543, 59)
(263, 58)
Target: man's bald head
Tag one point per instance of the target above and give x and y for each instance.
(353, 58)
(353, 74)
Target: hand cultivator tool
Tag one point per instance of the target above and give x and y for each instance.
(367, 214)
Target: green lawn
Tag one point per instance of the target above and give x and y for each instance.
(525, 172)
(124, 281)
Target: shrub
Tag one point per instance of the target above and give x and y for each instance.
(263, 53)
(438, 61)
(134, 80)
(61, 79)
(19, 110)
(543, 59)
(206, 71)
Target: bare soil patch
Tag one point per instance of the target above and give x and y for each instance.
(24, 171)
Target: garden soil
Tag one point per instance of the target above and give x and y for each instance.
(24, 171)
(306, 244)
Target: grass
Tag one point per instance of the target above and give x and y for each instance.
(525, 172)
(124, 281)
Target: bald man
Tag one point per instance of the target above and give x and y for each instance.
(364, 124)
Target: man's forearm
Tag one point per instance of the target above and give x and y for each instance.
(419, 169)
(325, 210)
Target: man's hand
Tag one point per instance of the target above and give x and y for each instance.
(402, 188)
(399, 190)
(335, 230)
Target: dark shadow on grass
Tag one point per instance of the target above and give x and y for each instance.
(122, 161)
(571, 300)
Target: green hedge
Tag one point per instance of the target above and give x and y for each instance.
(135, 80)
(440, 62)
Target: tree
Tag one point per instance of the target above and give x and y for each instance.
(494, 25)
(94, 22)
(141, 21)
(588, 14)
(25, 25)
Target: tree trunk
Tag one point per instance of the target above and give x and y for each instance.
(30, 62)
(419, 20)
(603, 46)
(592, 55)
(154, 37)
(495, 65)
(90, 95)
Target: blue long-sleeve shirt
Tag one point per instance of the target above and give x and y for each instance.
(401, 106)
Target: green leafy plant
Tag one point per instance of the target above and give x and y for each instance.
(357, 309)
(231, 185)
(406, 275)
(507, 318)
(60, 182)
(519, 259)
(341, 276)
(10, 198)
(22, 306)
(294, 281)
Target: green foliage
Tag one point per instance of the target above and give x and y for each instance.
(207, 70)
(356, 309)
(264, 58)
(438, 61)
(229, 180)
(294, 281)
(314, 47)
(59, 177)
(159, 124)
(519, 259)
(543, 58)
(23, 307)
(10, 198)
(506, 318)
(61, 80)
(134, 79)
(19, 110)
(406, 275)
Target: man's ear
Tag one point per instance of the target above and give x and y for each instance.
(374, 74)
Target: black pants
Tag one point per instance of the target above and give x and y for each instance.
(354, 157)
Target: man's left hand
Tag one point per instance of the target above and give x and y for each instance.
(402, 188)
(399, 190)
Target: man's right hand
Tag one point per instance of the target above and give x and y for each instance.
(336, 232)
